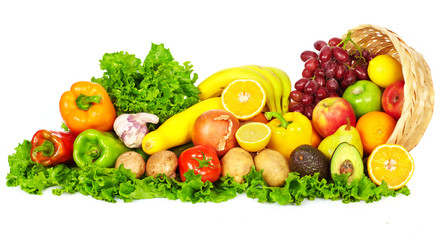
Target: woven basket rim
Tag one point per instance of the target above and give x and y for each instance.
(418, 90)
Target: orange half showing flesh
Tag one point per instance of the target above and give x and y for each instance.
(391, 163)
(244, 98)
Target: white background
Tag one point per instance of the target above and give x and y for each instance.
(46, 46)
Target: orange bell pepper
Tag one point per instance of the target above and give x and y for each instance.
(87, 106)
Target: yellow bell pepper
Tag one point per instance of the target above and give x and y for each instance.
(288, 131)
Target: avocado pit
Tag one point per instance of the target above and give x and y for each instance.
(346, 167)
(346, 159)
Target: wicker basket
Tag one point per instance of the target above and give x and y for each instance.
(419, 96)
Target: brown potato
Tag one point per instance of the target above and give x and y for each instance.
(162, 162)
(237, 163)
(133, 161)
(275, 166)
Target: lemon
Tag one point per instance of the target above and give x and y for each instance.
(384, 70)
(253, 136)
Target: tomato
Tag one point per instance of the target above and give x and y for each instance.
(203, 160)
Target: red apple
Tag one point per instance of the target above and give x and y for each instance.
(393, 99)
(331, 113)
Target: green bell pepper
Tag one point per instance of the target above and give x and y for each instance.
(95, 147)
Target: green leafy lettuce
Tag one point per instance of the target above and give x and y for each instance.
(110, 184)
(159, 85)
(297, 189)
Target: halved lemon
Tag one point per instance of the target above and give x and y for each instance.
(244, 98)
(391, 163)
(253, 136)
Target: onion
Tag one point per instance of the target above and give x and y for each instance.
(216, 128)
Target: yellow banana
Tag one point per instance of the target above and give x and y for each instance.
(274, 80)
(176, 130)
(286, 87)
(215, 84)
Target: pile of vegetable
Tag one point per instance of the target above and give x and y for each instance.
(110, 184)
(143, 131)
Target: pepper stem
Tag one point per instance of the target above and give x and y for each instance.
(47, 148)
(270, 115)
(93, 152)
(85, 102)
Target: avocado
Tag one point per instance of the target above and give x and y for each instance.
(347, 159)
(308, 160)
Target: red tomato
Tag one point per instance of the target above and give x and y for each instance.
(203, 160)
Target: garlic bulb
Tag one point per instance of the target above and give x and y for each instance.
(131, 128)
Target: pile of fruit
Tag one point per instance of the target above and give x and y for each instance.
(359, 94)
(339, 116)
(242, 129)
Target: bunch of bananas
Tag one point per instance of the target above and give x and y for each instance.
(275, 81)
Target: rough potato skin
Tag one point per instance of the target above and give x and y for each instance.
(162, 162)
(133, 161)
(237, 163)
(275, 165)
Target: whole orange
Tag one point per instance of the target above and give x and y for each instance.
(260, 117)
(316, 138)
(375, 128)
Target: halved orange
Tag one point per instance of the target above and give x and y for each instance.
(253, 136)
(244, 98)
(391, 163)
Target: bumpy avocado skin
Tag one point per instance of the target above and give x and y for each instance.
(308, 160)
(347, 159)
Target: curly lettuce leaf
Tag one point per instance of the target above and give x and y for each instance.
(297, 189)
(192, 190)
(109, 184)
(30, 176)
(160, 85)
(101, 183)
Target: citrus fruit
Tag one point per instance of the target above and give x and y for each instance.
(384, 70)
(316, 138)
(260, 117)
(391, 163)
(375, 128)
(253, 136)
(244, 98)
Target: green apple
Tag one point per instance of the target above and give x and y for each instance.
(364, 96)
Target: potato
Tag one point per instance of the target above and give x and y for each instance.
(133, 161)
(162, 162)
(237, 163)
(275, 165)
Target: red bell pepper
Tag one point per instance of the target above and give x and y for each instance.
(50, 148)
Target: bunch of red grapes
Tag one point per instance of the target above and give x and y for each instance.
(327, 73)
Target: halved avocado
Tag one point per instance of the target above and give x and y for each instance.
(347, 159)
